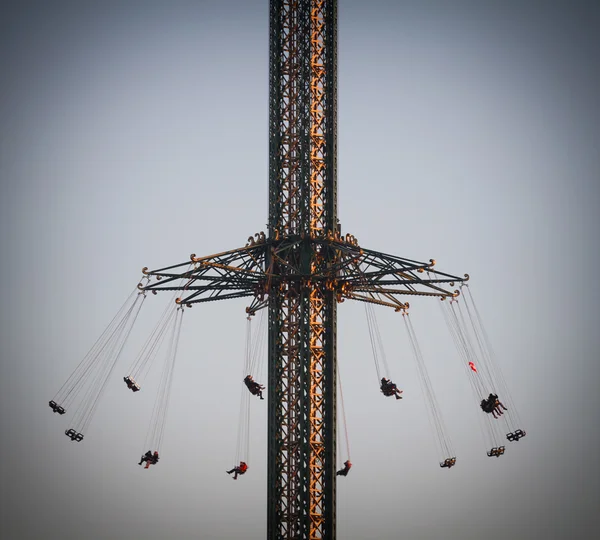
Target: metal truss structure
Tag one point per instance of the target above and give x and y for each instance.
(300, 270)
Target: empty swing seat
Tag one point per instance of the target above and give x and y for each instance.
(448, 462)
(516, 435)
(496, 452)
(73, 435)
(56, 408)
(131, 384)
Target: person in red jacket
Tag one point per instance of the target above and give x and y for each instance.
(240, 469)
(152, 461)
(149, 458)
(345, 470)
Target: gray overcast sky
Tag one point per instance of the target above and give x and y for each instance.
(135, 133)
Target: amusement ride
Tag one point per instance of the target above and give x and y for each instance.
(295, 274)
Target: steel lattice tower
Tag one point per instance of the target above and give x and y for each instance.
(301, 270)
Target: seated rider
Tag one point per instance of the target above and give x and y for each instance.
(152, 461)
(255, 388)
(388, 388)
(345, 470)
(240, 469)
(486, 406)
(146, 457)
(499, 404)
(496, 405)
(493, 405)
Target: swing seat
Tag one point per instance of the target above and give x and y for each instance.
(516, 435)
(486, 406)
(150, 460)
(496, 451)
(73, 435)
(388, 391)
(56, 408)
(448, 462)
(131, 384)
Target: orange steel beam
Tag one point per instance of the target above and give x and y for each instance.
(317, 356)
(317, 118)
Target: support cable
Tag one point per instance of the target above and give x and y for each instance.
(480, 388)
(103, 367)
(156, 429)
(490, 361)
(345, 424)
(145, 359)
(434, 410)
(257, 360)
(251, 349)
(76, 380)
(481, 372)
(379, 357)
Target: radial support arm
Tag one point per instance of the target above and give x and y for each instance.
(231, 274)
(270, 266)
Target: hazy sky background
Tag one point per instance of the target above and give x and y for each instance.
(135, 133)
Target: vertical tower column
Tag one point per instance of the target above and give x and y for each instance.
(287, 489)
(322, 303)
(302, 310)
(288, 116)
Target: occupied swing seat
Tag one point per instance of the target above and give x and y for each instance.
(56, 408)
(389, 389)
(487, 405)
(153, 460)
(254, 387)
